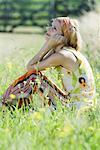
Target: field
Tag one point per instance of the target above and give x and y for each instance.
(43, 130)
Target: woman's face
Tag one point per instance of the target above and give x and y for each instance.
(55, 28)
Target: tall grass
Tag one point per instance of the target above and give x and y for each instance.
(43, 129)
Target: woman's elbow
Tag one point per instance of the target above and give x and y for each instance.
(31, 67)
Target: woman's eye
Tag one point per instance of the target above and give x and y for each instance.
(54, 28)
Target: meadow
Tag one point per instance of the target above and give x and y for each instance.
(63, 129)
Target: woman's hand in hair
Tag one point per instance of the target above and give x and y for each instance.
(56, 40)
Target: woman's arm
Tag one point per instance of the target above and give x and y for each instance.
(47, 49)
(43, 51)
(62, 58)
(51, 61)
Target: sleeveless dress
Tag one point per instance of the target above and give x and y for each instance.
(80, 83)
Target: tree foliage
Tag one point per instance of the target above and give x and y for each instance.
(38, 12)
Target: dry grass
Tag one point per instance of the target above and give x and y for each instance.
(90, 30)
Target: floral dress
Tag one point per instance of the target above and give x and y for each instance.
(80, 84)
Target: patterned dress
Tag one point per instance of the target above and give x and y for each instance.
(80, 83)
(21, 91)
(79, 87)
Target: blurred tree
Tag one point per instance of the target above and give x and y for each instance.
(72, 7)
(39, 12)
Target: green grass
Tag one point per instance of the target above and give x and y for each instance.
(43, 130)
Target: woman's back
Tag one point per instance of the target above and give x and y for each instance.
(80, 82)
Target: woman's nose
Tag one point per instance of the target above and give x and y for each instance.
(48, 28)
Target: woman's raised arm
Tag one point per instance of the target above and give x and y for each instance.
(51, 61)
(47, 48)
(43, 51)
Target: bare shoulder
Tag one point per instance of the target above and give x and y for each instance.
(67, 54)
(69, 60)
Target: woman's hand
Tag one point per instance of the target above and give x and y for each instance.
(51, 45)
(55, 40)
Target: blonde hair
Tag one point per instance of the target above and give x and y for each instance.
(70, 30)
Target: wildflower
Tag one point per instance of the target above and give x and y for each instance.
(91, 129)
(66, 130)
(9, 65)
(12, 96)
(7, 130)
(98, 75)
(37, 116)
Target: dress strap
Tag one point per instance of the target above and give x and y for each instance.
(79, 60)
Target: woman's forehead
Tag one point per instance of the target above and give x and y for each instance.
(55, 22)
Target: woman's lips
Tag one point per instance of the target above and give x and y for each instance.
(47, 34)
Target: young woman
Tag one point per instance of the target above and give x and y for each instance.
(61, 49)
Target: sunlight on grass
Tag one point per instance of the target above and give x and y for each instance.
(43, 129)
